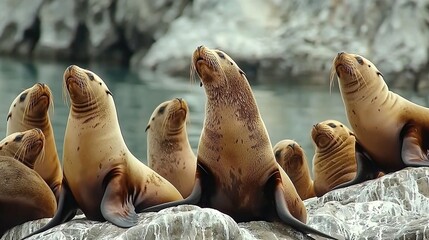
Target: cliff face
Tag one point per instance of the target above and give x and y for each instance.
(273, 40)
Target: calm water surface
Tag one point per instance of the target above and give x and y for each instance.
(288, 111)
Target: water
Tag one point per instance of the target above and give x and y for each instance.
(288, 111)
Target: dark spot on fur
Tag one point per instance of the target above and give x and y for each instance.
(332, 125)
(9, 116)
(22, 97)
(90, 76)
(18, 138)
(379, 109)
(353, 111)
(359, 60)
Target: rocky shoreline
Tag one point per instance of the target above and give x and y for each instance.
(273, 41)
(394, 206)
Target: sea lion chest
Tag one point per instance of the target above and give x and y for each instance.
(88, 157)
(240, 159)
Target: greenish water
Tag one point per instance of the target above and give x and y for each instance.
(288, 111)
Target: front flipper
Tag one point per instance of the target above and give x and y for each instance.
(66, 210)
(283, 211)
(414, 151)
(117, 206)
(193, 199)
(366, 168)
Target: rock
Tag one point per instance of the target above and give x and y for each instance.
(296, 40)
(392, 207)
(18, 26)
(183, 222)
(61, 34)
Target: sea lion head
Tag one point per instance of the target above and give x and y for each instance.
(170, 116)
(290, 155)
(27, 147)
(329, 134)
(32, 103)
(218, 73)
(355, 72)
(84, 87)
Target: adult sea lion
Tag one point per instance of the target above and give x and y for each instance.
(237, 172)
(101, 176)
(30, 110)
(392, 130)
(24, 195)
(291, 157)
(168, 149)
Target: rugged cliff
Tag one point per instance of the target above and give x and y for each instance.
(272, 40)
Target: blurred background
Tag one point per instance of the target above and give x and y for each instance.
(142, 49)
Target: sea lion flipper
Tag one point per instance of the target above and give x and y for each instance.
(284, 213)
(114, 209)
(67, 208)
(412, 142)
(366, 168)
(194, 198)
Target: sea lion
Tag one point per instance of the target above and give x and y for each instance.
(30, 110)
(334, 160)
(392, 130)
(291, 157)
(168, 149)
(28, 147)
(24, 195)
(237, 172)
(101, 176)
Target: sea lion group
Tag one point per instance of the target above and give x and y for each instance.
(235, 170)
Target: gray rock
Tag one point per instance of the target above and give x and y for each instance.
(296, 40)
(18, 26)
(395, 206)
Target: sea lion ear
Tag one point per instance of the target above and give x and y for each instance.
(148, 126)
(352, 134)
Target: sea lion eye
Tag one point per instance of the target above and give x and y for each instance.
(162, 109)
(91, 77)
(220, 54)
(277, 154)
(359, 60)
(22, 97)
(332, 125)
(18, 138)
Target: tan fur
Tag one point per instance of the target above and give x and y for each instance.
(24, 195)
(334, 160)
(376, 114)
(95, 149)
(291, 157)
(168, 149)
(32, 112)
(28, 147)
(234, 142)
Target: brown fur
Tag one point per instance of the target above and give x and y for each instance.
(377, 115)
(168, 149)
(32, 112)
(95, 154)
(291, 157)
(334, 159)
(234, 144)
